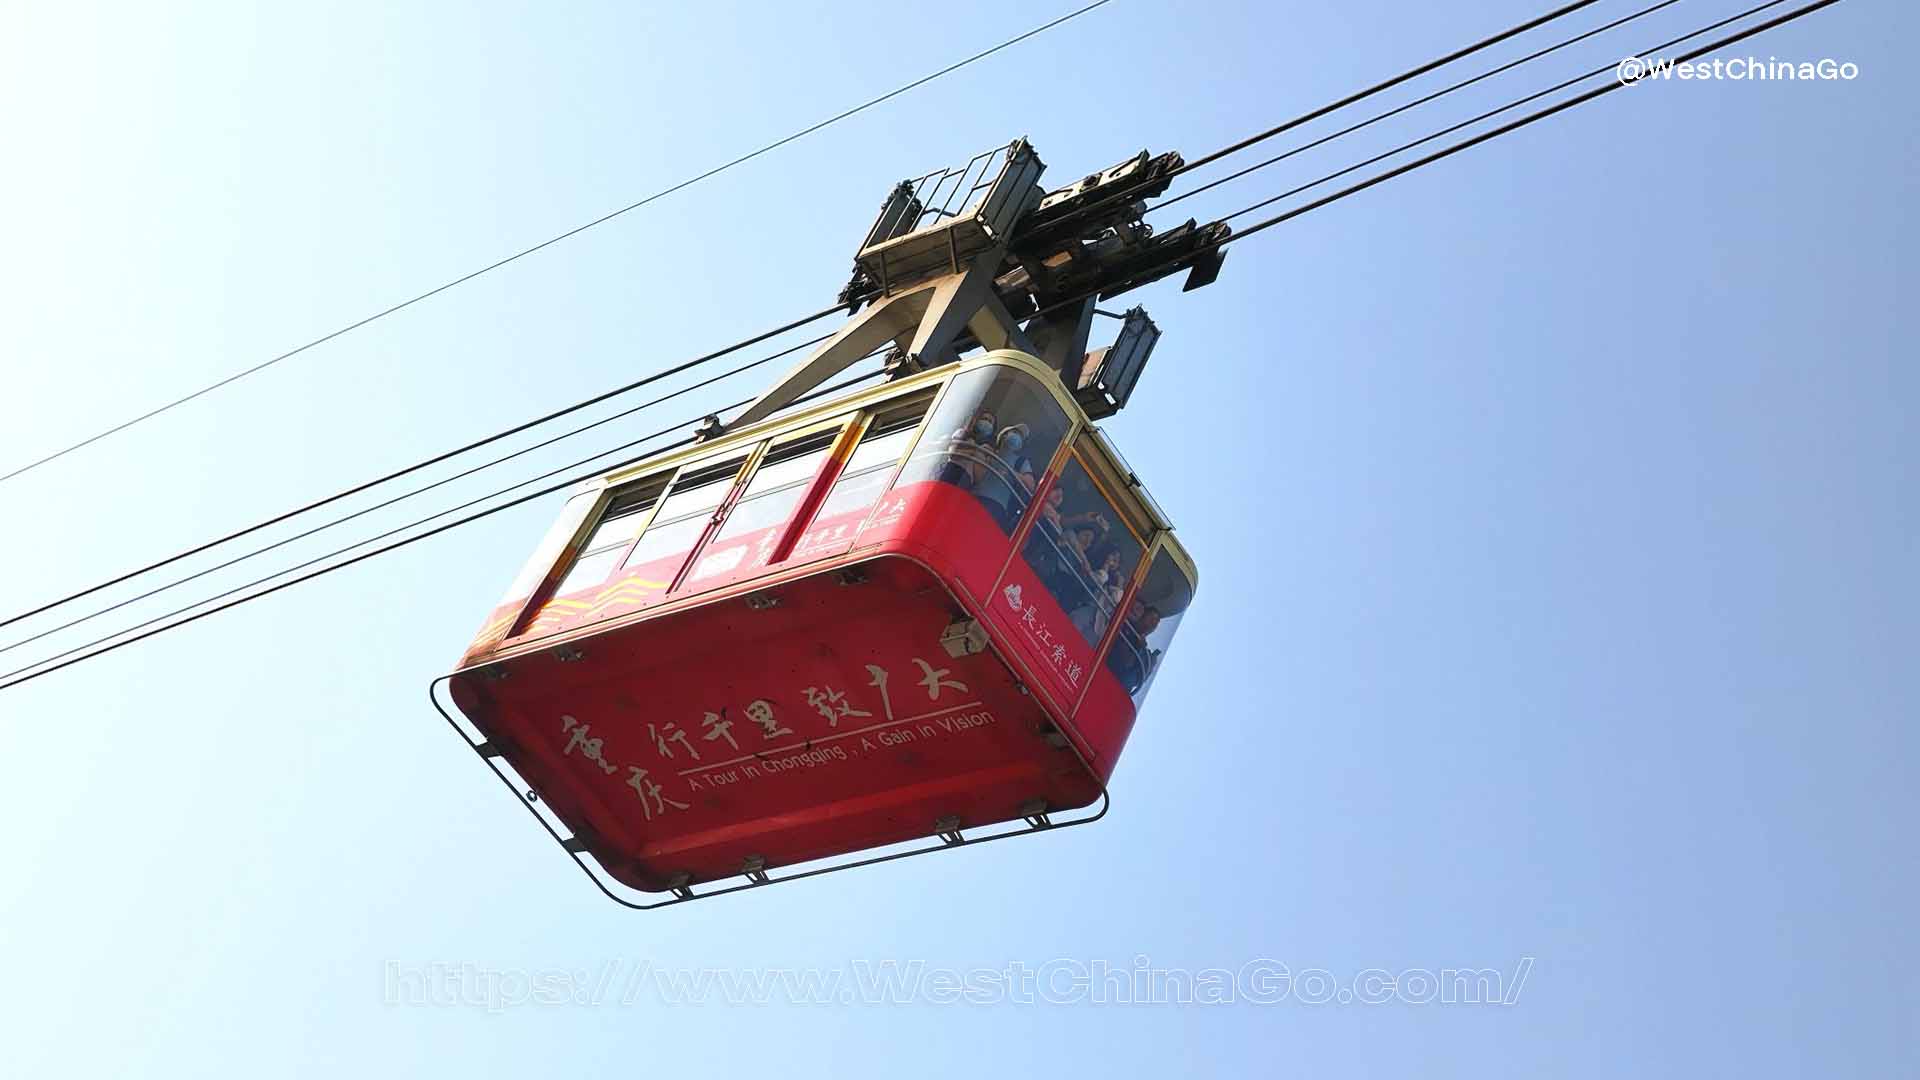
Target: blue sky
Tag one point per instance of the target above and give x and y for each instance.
(1553, 506)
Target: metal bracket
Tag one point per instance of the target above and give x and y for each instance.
(754, 867)
(899, 363)
(1035, 814)
(567, 654)
(948, 830)
(964, 638)
(1061, 337)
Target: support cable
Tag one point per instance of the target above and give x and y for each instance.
(1332, 106)
(550, 241)
(1403, 147)
(67, 659)
(419, 465)
(359, 488)
(342, 520)
(1419, 101)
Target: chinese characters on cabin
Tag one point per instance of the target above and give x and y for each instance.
(1028, 618)
(677, 748)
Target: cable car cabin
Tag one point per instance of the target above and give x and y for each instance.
(929, 606)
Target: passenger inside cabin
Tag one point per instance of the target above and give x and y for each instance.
(1131, 660)
(1069, 551)
(1093, 617)
(961, 468)
(1050, 516)
(980, 431)
(1010, 441)
(1107, 573)
(1094, 518)
(1081, 536)
(1090, 620)
(993, 433)
(994, 479)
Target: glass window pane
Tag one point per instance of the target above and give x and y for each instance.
(852, 493)
(699, 487)
(616, 532)
(1148, 629)
(551, 546)
(875, 452)
(636, 497)
(1082, 552)
(761, 512)
(663, 548)
(750, 534)
(993, 434)
(625, 512)
(758, 519)
(864, 478)
(888, 434)
(792, 462)
(589, 570)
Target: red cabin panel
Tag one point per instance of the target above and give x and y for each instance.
(830, 723)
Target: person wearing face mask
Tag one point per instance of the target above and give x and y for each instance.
(961, 469)
(994, 481)
(1013, 443)
(979, 432)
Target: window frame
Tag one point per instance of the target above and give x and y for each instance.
(1163, 543)
(569, 555)
(861, 407)
(1138, 517)
(1120, 488)
(575, 550)
(1100, 473)
(1046, 384)
(756, 457)
(864, 420)
(583, 549)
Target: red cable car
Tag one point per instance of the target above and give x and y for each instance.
(911, 612)
(927, 607)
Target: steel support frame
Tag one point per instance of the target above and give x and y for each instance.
(924, 321)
